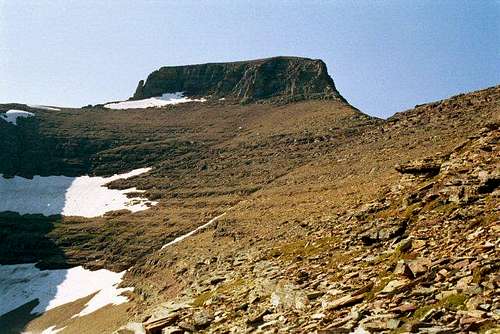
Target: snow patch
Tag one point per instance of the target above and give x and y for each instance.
(12, 115)
(22, 283)
(85, 196)
(165, 99)
(38, 106)
(52, 330)
(182, 237)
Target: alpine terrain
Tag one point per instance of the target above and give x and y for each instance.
(249, 197)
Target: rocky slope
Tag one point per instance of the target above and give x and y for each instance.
(423, 258)
(198, 169)
(279, 78)
(319, 223)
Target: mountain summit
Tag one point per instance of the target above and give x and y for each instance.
(278, 78)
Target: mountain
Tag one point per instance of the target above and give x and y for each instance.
(317, 217)
(278, 78)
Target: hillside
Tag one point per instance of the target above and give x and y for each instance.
(317, 231)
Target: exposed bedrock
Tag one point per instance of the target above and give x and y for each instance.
(280, 78)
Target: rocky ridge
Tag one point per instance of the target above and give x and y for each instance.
(282, 79)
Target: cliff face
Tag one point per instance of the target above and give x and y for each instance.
(283, 78)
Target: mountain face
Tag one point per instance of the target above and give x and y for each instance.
(316, 217)
(282, 78)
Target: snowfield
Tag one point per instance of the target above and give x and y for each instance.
(12, 115)
(22, 283)
(38, 106)
(165, 99)
(85, 196)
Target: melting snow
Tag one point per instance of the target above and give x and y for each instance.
(22, 283)
(70, 196)
(12, 115)
(182, 237)
(38, 106)
(165, 99)
(50, 330)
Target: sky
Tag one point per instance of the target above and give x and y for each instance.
(384, 56)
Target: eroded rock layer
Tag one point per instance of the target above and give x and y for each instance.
(286, 78)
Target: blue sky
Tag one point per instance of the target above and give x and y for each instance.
(384, 56)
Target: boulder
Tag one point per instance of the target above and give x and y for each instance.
(288, 296)
(420, 167)
(344, 301)
(380, 231)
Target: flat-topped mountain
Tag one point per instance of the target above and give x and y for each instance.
(282, 78)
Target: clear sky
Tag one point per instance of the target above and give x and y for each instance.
(384, 56)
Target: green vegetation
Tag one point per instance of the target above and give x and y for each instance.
(292, 251)
(202, 298)
(452, 302)
(230, 288)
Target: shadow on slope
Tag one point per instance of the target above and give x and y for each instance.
(43, 195)
(15, 321)
(24, 239)
(29, 148)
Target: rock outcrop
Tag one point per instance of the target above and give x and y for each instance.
(278, 78)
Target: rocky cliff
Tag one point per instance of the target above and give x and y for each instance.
(280, 78)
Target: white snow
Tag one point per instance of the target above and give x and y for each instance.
(182, 237)
(84, 196)
(165, 99)
(52, 330)
(38, 106)
(12, 115)
(22, 283)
